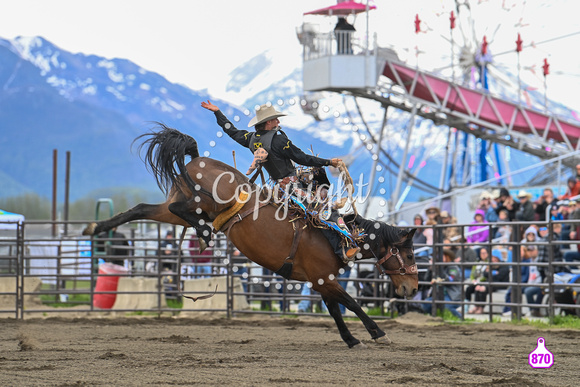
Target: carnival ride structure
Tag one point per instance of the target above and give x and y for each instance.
(462, 101)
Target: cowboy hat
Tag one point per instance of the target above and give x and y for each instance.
(485, 195)
(265, 113)
(524, 194)
(433, 209)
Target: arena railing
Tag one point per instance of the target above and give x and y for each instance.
(42, 275)
(549, 285)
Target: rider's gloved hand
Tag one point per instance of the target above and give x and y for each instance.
(335, 162)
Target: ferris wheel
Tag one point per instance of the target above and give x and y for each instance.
(481, 98)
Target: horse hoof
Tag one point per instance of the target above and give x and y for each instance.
(202, 245)
(383, 340)
(359, 346)
(90, 229)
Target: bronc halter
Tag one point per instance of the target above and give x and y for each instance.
(403, 270)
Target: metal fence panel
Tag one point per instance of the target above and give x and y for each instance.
(41, 274)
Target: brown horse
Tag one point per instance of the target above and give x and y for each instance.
(205, 188)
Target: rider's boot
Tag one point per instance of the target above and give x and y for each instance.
(350, 254)
(335, 240)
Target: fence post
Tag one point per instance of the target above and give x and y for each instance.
(159, 270)
(229, 280)
(435, 273)
(550, 271)
(19, 312)
(517, 294)
(462, 275)
(490, 282)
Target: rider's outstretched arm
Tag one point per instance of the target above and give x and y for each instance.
(242, 137)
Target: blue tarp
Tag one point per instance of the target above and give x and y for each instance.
(9, 220)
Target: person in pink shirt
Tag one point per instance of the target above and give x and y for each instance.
(479, 232)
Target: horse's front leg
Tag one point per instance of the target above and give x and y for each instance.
(158, 212)
(334, 311)
(377, 334)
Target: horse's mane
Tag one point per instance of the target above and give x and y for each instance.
(384, 233)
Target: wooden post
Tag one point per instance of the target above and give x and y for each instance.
(54, 175)
(66, 192)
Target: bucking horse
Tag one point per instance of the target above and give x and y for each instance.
(206, 191)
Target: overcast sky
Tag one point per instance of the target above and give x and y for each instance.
(197, 43)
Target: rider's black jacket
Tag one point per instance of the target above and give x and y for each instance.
(281, 152)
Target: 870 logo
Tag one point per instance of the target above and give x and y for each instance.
(541, 357)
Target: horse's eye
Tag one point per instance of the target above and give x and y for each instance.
(410, 256)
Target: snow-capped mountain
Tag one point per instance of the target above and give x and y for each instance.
(93, 107)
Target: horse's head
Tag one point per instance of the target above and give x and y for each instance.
(398, 260)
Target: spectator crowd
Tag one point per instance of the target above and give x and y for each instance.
(501, 223)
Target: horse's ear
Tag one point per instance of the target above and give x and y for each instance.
(407, 235)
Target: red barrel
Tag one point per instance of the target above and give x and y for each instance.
(107, 284)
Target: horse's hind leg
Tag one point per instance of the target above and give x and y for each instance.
(158, 212)
(186, 210)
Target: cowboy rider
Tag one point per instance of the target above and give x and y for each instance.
(281, 153)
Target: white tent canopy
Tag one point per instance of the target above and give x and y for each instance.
(8, 220)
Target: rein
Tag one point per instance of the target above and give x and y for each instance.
(260, 173)
(403, 270)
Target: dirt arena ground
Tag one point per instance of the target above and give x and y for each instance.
(264, 350)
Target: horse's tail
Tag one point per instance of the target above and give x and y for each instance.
(165, 150)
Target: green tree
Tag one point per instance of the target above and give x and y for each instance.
(32, 206)
(123, 199)
(35, 207)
